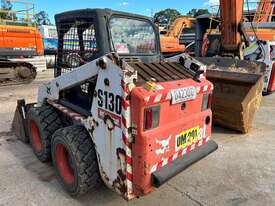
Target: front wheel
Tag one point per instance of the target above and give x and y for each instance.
(75, 160)
(42, 123)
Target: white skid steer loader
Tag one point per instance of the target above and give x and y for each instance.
(114, 111)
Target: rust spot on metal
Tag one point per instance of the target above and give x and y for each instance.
(120, 182)
(120, 151)
(115, 59)
(105, 175)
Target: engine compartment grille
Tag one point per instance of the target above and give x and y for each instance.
(161, 72)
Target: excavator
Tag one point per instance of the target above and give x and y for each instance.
(18, 40)
(170, 42)
(258, 39)
(238, 83)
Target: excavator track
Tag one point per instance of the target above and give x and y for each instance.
(16, 72)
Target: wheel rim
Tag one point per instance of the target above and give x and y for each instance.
(36, 137)
(63, 162)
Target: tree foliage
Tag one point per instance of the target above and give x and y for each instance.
(197, 12)
(166, 16)
(42, 18)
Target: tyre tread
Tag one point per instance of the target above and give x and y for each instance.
(82, 147)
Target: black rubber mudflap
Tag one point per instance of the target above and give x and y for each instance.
(182, 163)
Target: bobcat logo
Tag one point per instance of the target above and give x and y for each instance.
(164, 146)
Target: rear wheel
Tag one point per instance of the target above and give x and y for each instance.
(75, 160)
(42, 123)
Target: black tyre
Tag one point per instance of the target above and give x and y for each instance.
(42, 123)
(75, 161)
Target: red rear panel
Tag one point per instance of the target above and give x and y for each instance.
(156, 147)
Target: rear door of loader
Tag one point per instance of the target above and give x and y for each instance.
(171, 121)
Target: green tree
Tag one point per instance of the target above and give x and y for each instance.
(42, 18)
(197, 12)
(166, 16)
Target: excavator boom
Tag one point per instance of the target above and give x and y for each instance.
(264, 11)
(231, 15)
(170, 43)
(178, 25)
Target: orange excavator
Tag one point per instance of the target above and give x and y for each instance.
(18, 39)
(249, 40)
(170, 42)
(238, 83)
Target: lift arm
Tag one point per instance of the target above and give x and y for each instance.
(52, 89)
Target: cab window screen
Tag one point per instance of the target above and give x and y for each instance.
(132, 36)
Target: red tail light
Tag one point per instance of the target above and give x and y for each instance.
(148, 118)
(151, 117)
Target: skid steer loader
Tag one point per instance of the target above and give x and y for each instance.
(114, 111)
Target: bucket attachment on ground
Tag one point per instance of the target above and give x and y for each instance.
(238, 87)
(19, 125)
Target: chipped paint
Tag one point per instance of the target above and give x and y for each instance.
(164, 146)
(120, 182)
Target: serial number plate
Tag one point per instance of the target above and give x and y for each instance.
(183, 94)
(187, 138)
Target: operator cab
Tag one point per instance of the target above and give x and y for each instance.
(85, 35)
(88, 34)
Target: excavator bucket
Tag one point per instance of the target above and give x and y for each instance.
(238, 87)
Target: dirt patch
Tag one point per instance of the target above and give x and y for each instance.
(233, 68)
(44, 172)
(12, 140)
(6, 133)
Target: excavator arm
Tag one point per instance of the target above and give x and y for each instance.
(178, 25)
(264, 11)
(231, 18)
(170, 44)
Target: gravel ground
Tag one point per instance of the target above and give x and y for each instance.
(241, 172)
